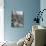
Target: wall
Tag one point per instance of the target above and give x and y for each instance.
(1, 21)
(29, 7)
(43, 6)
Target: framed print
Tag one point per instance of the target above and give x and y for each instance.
(17, 19)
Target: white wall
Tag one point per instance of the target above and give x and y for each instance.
(43, 6)
(1, 20)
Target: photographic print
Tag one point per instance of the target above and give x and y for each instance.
(17, 19)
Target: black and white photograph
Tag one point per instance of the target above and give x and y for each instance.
(17, 19)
